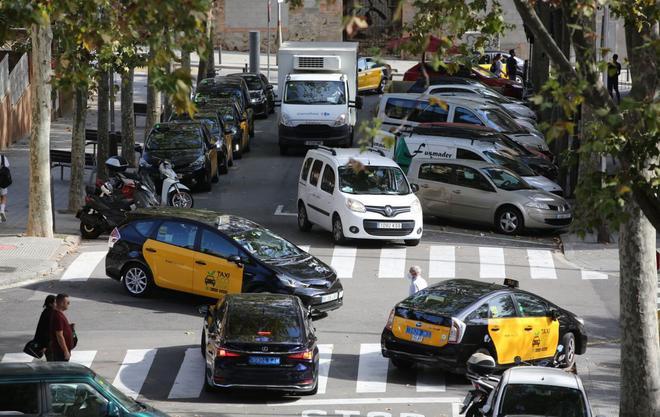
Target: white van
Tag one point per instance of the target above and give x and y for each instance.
(357, 195)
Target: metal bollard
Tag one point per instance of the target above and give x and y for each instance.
(255, 51)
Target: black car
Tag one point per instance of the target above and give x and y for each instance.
(226, 88)
(212, 254)
(189, 146)
(235, 121)
(446, 323)
(263, 341)
(261, 92)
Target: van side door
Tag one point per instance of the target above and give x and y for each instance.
(326, 193)
(315, 213)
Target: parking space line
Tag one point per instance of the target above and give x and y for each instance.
(586, 274)
(372, 369)
(541, 264)
(18, 357)
(133, 371)
(430, 380)
(83, 266)
(83, 357)
(442, 262)
(343, 260)
(190, 378)
(325, 356)
(491, 262)
(392, 263)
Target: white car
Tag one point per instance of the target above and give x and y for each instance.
(357, 195)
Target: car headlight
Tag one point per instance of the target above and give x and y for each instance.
(285, 120)
(144, 163)
(537, 205)
(291, 282)
(340, 120)
(415, 207)
(355, 205)
(199, 162)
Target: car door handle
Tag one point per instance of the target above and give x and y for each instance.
(152, 250)
(456, 191)
(200, 262)
(528, 328)
(495, 329)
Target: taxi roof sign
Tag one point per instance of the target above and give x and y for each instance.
(511, 283)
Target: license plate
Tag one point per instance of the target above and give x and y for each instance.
(564, 216)
(417, 335)
(329, 297)
(264, 360)
(389, 225)
(313, 142)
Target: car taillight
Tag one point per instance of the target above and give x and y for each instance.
(390, 320)
(224, 353)
(456, 331)
(114, 237)
(307, 355)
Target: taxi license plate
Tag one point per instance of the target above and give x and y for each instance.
(329, 297)
(313, 142)
(564, 216)
(264, 360)
(417, 335)
(389, 225)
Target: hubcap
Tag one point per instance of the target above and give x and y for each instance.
(181, 200)
(135, 280)
(301, 216)
(570, 351)
(337, 229)
(509, 221)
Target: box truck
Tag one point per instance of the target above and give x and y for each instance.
(317, 91)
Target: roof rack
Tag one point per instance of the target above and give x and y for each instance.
(327, 149)
(378, 151)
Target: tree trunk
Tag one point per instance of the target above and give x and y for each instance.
(127, 117)
(153, 102)
(167, 103)
(40, 210)
(77, 184)
(103, 146)
(185, 59)
(640, 372)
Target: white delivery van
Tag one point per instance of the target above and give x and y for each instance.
(317, 91)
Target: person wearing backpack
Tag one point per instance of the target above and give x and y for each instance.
(5, 182)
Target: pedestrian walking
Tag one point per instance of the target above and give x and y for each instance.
(5, 182)
(613, 72)
(417, 283)
(496, 66)
(42, 334)
(512, 65)
(61, 331)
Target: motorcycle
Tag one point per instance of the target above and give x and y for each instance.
(172, 191)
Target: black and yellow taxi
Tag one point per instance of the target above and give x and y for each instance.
(373, 74)
(446, 323)
(212, 254)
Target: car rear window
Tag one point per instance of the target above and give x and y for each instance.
(445, 299)
(179, 137)
(261, 322)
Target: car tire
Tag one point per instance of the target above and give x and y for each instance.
(206, 184)
(401, 363)
(208, 387)
(509, 220)
(89, 232)
(202, 344)
(224, 167)
(283, 150)
(568, 341)
(411, 242)
(337, 230)
(304, 225)
(215, 178)
(137, 280)
(182, 199)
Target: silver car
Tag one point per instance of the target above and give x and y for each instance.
(485, 193)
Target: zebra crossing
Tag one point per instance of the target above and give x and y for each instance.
(130, 373)
(437, 261)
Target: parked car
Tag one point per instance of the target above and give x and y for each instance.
(357, 195)
(421, 84)
(260, 341)
(261, 92)
(235, 120)
(227, 88)
(189, 146)
(373, 74)
(484, 193)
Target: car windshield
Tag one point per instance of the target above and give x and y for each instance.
(175, 138)
(315, 92)
(258, 322)
(253, 83)
(515, 166)
(218, 93)
(130, 404)
(498, 120)
(542, 400)
(506, 180)
(365, 179)
(267, 246)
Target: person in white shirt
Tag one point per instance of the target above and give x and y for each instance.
(417, 283)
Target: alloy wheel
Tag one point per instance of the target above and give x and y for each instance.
(136, 280)
(509, 221)
(182, 200)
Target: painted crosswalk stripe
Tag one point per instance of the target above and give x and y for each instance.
(18, 357)
(83, 266)
(372, 369)
(133, 371)
(586, 274)
(343, 260)
(491, 262)
(83, 357)
(190, 379)
(442, 262)
(541, 264)
(392, 263)
(430, 380)
(305, 247)
(325, 356)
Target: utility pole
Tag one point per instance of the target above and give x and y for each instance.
(279, 23)
(268, 41)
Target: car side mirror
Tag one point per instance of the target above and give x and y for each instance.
(112, 410)
(414, 187)
(236, 259)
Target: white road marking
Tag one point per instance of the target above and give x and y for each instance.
(392, 263)
(18, 357)
(343, 260)
(325, 356)
(372, 369)
(593, 275)
(279, 211)
(133, 371)
(491, 262)
(83, 357)
(442, 262)
(393, 400)
(306, 248)
(430, 380)
(83, 266)
(190, 379)
(541, 264)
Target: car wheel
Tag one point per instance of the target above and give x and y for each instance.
(206, 185)
(411, 242)
(202, 344)
(568, 341)
(283, 150)
(508, 220)
(223, 168)
(337, 230)
(137, 280)
(207, 385)
(89, 232)
(303, 222)
(182, 199)
(401, 363)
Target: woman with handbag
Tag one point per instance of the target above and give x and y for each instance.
(39, 346)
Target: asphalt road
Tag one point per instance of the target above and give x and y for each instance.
(151, 346)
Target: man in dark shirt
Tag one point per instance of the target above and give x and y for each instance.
(613, 71)
(61, 340)
(512, 65)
